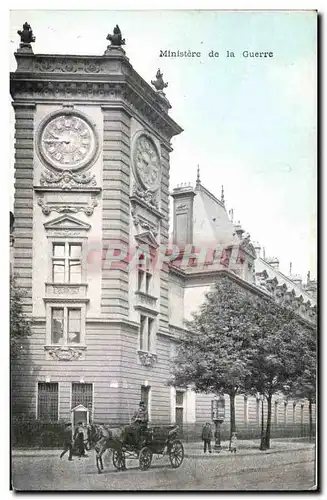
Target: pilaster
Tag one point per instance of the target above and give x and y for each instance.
(116, 212)
(23, 205)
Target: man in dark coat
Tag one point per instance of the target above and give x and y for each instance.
(206, 437)
(68, 445)
(140, 421)
(79, 439)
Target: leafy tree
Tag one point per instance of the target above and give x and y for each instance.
(304, 387)
(214, 356)
(275, 365)
(19, 324)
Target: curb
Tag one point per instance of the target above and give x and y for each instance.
(232, 455)
(188, 454)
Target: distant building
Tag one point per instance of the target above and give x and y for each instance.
(92, 147)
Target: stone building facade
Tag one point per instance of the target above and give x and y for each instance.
(106, 300)
(213, 245)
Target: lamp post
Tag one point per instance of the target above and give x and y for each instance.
(218, 416)
(262, 442)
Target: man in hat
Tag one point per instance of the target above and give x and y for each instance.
(140, 421)
(68, 445)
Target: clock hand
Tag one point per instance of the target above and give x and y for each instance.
(56, 140)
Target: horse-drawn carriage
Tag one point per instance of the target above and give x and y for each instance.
(158, 441)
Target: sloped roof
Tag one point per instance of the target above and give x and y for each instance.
(211, 223)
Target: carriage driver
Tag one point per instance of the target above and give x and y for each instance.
(140, 420)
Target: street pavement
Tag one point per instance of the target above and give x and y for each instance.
(286, 467)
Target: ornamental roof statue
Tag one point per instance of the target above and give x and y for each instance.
(116, 39)
(26, 35)
(159, 84)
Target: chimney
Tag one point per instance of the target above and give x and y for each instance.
(238, 229)
(183, 196)
(257, 248)
(296, 278)
(273, 262)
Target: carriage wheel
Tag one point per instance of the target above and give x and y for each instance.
(145, 458)
(176, 454)
(118, 459)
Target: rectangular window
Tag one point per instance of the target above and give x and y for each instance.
(245, 410)
(285, 412)
(179, 407)
(140, 280)
(147, 326)
(47, 401)
(82, 394)
(67, 262)
(257, 411)
(144, 274)
(179, 398)
(65, 325)
(57, 326)
(150, 330)
(145, 393)
(294, 413)
(143, 333)
(276, 413)
(74, 326)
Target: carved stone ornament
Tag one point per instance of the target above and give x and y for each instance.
(181, 207)
(158, 83)
(65, 290)
(144, 223)
(67, 179)
(147, 196)
(67, 140)
(146, 161)
(144, 299)
(116, 39)
(247, 246)
(62, 208)
(26, 38)
(65, 353)
(147, 358)
(68, 65)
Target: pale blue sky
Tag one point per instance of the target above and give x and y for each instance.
(250, 124)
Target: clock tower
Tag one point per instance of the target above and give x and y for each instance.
(92, 144)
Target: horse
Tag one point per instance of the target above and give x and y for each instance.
(103, 438)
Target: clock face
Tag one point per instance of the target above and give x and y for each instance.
(67, 141)
(147, 162)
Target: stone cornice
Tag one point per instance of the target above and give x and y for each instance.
(292, 285)
(99, 79)
(124, 323)
(208, 278)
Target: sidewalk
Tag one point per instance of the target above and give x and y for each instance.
(246, 447)
(195, 450)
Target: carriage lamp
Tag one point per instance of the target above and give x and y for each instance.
(218, 416)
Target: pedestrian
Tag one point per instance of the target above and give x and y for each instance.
(233, 443)
(206, 437)
(68, 445)
(79, 439)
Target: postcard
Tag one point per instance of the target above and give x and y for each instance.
(163, 250)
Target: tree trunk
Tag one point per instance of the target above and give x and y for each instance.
(310, 420)
(268, 428)
(232, 416)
